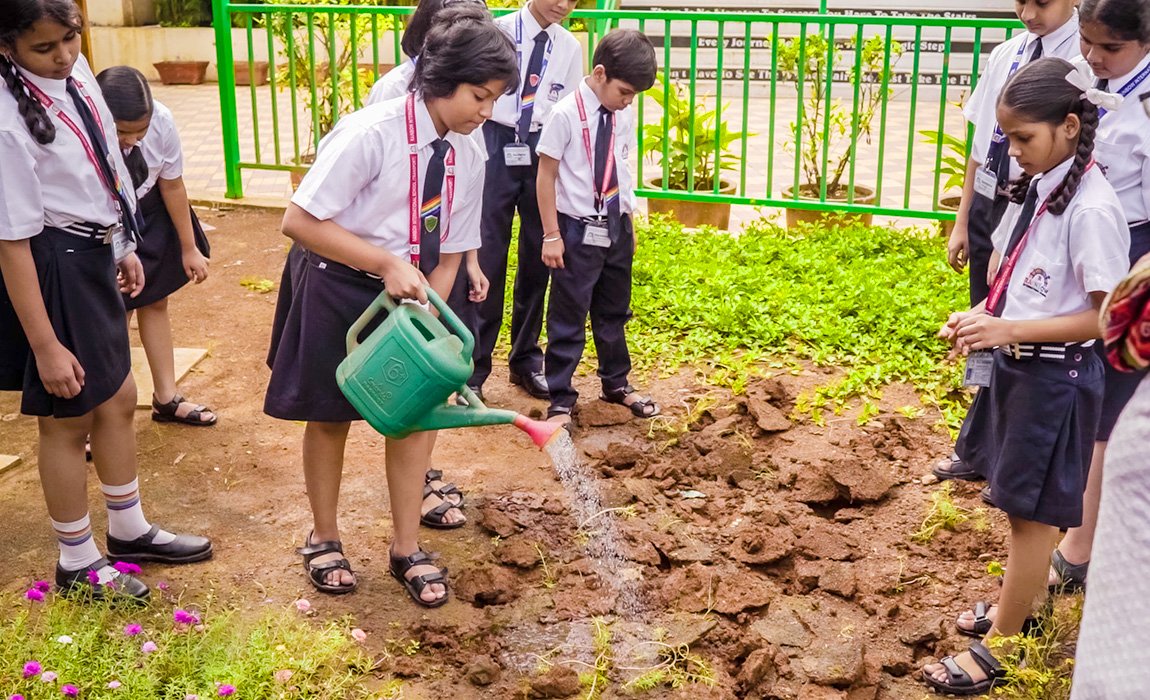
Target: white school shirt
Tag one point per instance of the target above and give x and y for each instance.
(1122, 147)
(360, 179)
(1083, 250)
(161, 149)
(563, 72)
(391, 84)
(55, 184)
(562, 139)
(980, 108)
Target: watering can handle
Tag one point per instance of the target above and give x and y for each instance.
(384, 302)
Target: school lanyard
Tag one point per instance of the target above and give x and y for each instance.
(114, 185)
(600, 189)
(519, 104)
(1129, 87)
(1002, 278)
(413, 196)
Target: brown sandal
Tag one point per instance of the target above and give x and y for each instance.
(400, 565)
(166, 413)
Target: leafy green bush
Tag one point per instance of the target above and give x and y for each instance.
(50, 647)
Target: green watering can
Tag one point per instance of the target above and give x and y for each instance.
(401, 376)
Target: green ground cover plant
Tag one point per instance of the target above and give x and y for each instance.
(54, 647)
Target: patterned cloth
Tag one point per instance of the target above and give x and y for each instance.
(1126, 320)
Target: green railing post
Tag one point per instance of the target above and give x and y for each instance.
(229, 120)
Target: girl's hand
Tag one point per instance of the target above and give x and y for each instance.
(130, 275)
(60, 371)
(553, 251)
(958, 247)
(195, 265)
(949, 329)
(404, 281)
(479, 285)
(983, 331)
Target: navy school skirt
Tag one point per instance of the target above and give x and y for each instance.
(319, 300)
(160, 251)
(1034, 430)
(78, 284)
(1120, 386)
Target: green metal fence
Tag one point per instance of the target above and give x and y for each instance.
(776, 110)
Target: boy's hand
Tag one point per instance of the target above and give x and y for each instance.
(130, 276)
(404, 281)
(553, 251)
(478, 285)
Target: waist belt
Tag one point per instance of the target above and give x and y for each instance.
(84, 229)
(1073, 352)
(323, 263)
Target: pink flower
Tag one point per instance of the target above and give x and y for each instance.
(16, 697)
(359, 635)
(283, 676)
(303, 605)
(183, 617)
(94, 578)
(70, 690)
(42, 586)
(191, 696)
(112, 685)
(126, 568)
(132, 630)
(226, 689)
(34, 594)
(163, 586)
(32, 668)
(149, 647)
(48, 676)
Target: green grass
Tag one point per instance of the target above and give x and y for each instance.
(272, 654)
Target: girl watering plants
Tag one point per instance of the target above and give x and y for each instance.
(67, 235)
(357, 234)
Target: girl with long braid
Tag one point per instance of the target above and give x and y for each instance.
(67, 232)
(1061, 248)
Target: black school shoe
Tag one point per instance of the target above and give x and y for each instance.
(185, 549)
(121, 587)
(534, 383)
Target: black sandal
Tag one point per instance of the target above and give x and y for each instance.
(166, 413)
(641, 407)
(399, 567)
(959, 682)
(982, 623)
(1071, 577)
(317, 573)
(954, 468)
(444, 491)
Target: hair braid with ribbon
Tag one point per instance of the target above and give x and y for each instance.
(35, 116)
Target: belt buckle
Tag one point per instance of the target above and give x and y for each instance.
(1015, 350)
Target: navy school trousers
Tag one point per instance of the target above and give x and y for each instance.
(597, 282)
(505, 191)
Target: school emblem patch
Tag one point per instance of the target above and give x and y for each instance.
(430, 223)
(1037, 280)
(553, 93)
(534, 80)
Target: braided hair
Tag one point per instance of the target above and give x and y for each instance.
(17, 17)
(1039, 92)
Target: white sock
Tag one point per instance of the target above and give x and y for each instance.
(77, 548)
(126, 519)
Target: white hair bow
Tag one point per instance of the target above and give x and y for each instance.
(1080, 78)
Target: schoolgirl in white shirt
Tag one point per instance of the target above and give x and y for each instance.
(173, 247)
(1061, 249)
(354, 239)
(67, 231)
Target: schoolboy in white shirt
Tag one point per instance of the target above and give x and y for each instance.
(550, 65)
(586, 197)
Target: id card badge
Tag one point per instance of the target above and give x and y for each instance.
(979, 367)
(122, 242)
(515, 154)
(986, 183)
(596, 234)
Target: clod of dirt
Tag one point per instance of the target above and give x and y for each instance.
(517, 552)
(496, 522)
(823, 541)
(862, 479)
(921, 629)
(819, 692)
(757, 546)
(621, 455)
(482, 670)
(686, 630)
(599, 414)
(557, 682)
(489, 585)
(838, 578)
(834, 663)
(758, 671)
(763, 401)
(782, 625)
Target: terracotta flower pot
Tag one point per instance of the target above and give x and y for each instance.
(949, 203)
(255, 73)
(298, 171)
(863, 195)
(693, 214)
(181, 72)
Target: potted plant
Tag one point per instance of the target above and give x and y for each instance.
(824, 118)
(710, 151)
(183, 13)
(951, 166)
(324, 89)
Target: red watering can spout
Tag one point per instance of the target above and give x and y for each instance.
(540, 432)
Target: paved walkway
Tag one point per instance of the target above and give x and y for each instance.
(196, 110)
